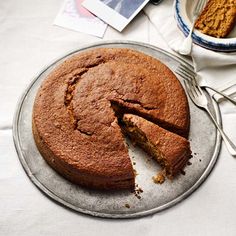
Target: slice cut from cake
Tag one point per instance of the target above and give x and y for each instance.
(218, 18)
(171, 151)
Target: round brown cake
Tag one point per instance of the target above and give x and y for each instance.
(78, 107)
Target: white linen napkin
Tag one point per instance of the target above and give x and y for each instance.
(162, 17)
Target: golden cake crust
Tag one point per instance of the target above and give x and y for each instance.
(75, 126)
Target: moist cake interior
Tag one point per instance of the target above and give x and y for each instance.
(169, 149)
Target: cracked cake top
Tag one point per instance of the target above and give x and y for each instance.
(75, 125)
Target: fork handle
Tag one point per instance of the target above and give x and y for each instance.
(223, 94)
(229, 144)
(186, 47)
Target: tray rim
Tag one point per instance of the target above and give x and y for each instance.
(54, 197)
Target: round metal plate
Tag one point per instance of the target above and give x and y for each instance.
(114, 204)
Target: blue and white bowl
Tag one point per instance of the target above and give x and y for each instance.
(184, 16)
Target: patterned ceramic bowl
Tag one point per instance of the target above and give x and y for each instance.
(184, 17)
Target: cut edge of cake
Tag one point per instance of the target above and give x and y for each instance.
(170, 150)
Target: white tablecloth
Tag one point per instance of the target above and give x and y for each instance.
(29, 42)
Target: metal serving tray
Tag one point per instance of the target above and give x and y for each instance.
(205, 144)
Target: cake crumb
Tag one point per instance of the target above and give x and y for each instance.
(189, 163)
(159, 178)
(127, 205)
(137, 191)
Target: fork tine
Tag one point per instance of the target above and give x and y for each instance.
(186, 69)
(186, 87)
(199, 6)
(185, 73)
(198, 88)
(202, 5)
(182, 75)
(193, 77)
(188, 73)
(196, 7)
(189, 90)
(198, 99)
(193, 90)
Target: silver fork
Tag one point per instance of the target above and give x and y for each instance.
(186, 47)
(187, 73)
(199, 99)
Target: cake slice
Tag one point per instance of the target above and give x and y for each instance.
(171, 151)
(218, 18)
